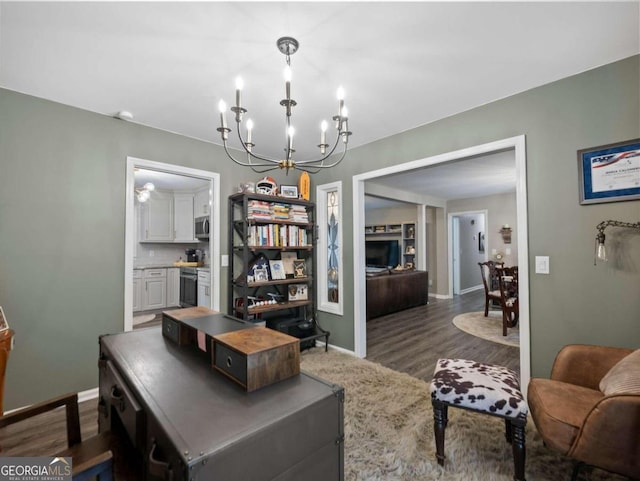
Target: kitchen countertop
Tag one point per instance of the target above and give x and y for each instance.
(155, 266)
(165, 265)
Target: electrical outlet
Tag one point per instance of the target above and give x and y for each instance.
(507, 251)
(152, 253)
(542, 264)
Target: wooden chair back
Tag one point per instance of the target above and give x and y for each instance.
(91, 459)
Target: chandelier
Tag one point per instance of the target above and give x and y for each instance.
(261, 163)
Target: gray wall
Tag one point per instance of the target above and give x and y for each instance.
(501, 209)
(577, 302)
(62, 221)
(63, 181)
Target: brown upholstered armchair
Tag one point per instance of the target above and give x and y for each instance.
(574, 416)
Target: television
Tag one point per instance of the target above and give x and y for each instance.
(382, 253)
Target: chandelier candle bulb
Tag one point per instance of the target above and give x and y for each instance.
(290, 132)
(239, 87)
(323, 137)
(223, 108)
(287, 79)
(340, 96)
(249, 129)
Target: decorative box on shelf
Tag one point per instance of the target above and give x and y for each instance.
(256, 357)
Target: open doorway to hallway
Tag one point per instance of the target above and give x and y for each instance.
(481, 177)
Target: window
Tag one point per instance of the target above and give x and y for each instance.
(329, 203)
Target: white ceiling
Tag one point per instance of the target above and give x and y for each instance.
(402, 64)
(463, 179)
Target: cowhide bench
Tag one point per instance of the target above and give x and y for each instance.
(483, 388)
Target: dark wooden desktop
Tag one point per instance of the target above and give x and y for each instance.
(389, 292)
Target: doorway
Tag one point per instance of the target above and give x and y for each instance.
(515, 144)
(467, 240)
(213, 180)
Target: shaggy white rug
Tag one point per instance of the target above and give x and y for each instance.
(388, 425)
(488, 328)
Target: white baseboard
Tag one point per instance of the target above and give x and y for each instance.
(471, 289)
(441, 296)
(88, 395)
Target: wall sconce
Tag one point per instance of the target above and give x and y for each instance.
(144, 192)
(601, 251)
(506, 234)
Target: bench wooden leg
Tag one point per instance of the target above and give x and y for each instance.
(440, 419)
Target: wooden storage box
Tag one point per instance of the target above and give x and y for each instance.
(173, 327)
(256, 357)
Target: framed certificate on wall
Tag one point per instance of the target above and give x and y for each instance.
(610, 173)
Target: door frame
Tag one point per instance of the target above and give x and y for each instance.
(455, 217)
(129, 237)
(518, 145)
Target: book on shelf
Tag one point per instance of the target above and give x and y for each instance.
(277, 235)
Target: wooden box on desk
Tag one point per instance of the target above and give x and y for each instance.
(256, 357)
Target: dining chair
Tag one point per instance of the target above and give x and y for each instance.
(508, 287)
(92, 458)
(490, 282)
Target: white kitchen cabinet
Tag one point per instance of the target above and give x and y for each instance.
(204, 289)
(157, 218)
(173, 286)
(183, 218)
(137, 290)
(201, 203)
(155, 289)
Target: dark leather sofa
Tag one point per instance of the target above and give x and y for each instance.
(392, 291)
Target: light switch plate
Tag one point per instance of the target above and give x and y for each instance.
(542, 264)
(224, 260)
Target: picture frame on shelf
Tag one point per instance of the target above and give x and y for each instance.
(260, 274)
(289, 191)
(299, 269)
(298, 292)
(287, 262)
(259, 263)
(609, 173)
(277, 269)
(4, 324)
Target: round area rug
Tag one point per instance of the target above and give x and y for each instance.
(143, 318)
(488, 328)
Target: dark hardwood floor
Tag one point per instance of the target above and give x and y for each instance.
(413, 340)
(410, 341)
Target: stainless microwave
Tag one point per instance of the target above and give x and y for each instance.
(202, 227)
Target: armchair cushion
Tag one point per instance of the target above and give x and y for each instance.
(559, 410)
(624, 377)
